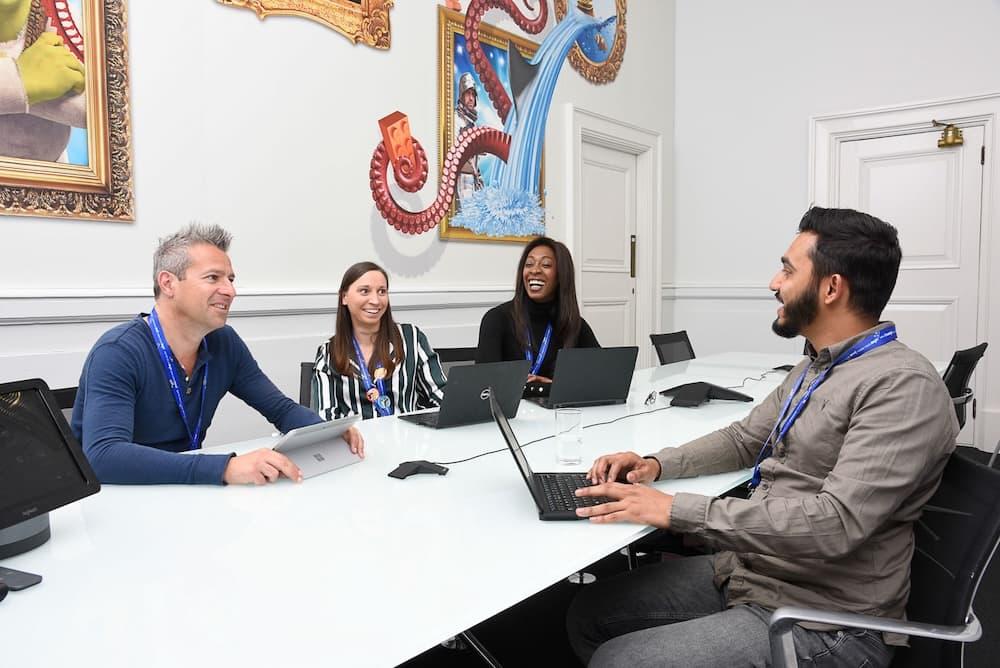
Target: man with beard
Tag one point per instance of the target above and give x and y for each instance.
(845, 453)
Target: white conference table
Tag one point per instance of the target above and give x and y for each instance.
(350, 568)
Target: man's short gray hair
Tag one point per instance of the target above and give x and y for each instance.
(172, 252)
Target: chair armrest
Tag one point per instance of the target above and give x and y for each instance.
(964, 399)
(783, 619)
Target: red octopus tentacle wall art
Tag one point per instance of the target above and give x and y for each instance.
(473, 18)
(408, 158)
(411, 174)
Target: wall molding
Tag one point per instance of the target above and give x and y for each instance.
(70, 307)
(715, 291)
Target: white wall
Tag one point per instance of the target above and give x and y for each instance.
(748, 77)
(267, 128)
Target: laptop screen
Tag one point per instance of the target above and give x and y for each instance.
(41, 465)
(515, 449)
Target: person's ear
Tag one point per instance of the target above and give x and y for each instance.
(835, 288)
(167, 283)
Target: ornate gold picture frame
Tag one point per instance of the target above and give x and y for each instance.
(451, 67)
(364, 21)
(607, 70)
(99, 185)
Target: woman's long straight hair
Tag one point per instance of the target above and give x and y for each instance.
(567, 327)
(341, 344)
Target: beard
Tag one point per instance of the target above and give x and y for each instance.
(798, 314)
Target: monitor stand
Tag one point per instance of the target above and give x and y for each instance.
(24, 536)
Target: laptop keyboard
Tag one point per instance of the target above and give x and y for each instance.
(558, 489)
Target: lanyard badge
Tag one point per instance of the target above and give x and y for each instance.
(375, 392)
(783, 424)
(536, 364)
(166, 356)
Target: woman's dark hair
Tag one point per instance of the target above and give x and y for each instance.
(859, 247)
(567, 327)
(340, 348)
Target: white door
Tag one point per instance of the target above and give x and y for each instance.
(933, 196)
(606, 237)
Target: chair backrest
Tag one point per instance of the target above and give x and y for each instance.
(956, 537)
(65, 398)
(305, 383)
(956, 377)
(672, 347)
(450, 357)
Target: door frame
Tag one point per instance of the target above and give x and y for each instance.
(647, 147)
(828, 131)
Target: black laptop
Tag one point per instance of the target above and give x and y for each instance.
(591, 377)
(467, 390)
(552, 492)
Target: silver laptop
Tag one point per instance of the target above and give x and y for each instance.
(319, 448)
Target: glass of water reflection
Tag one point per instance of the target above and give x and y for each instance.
(569, 436)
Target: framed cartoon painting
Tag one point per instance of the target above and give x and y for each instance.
(65, 138)
(463, 103)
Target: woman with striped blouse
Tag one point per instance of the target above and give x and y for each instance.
(372, 366)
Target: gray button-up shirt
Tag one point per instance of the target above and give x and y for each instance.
(830, 524)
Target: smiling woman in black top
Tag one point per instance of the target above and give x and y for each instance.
(544, 300)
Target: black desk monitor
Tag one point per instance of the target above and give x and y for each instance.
(42, 466)
(695, 394)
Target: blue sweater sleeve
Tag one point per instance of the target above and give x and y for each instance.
(253, 387)
(113, 377)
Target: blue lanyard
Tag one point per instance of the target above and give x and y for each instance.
(879, 338)
(382, 402)
(542, 350)
(175, 388)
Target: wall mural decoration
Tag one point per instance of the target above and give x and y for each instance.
(493, 162)
(464, 103)
(65, 139)
(364, 21)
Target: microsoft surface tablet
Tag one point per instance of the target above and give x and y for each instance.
(319, 448)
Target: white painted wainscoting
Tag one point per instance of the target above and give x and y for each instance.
(49, 335)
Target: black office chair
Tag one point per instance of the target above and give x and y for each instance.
(956, 377)
(956, 537)
(305, 383)
(672, 347)
(65, 398)
(450, 357)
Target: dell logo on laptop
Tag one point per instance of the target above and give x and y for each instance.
(485, 394)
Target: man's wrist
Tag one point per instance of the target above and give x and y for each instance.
(659, 466)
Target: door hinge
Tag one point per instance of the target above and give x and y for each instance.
(632, 263)
(982, 155)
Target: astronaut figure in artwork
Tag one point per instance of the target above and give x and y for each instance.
(467, 116)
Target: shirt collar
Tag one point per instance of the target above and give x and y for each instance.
(827, 355)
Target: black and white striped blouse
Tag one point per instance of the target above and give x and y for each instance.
(418, 383)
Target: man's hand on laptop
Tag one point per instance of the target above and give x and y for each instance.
(260, 467)
(629, 503)
(625, 466)
(355, 441)
(532, 378)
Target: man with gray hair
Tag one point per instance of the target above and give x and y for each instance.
(150, 387)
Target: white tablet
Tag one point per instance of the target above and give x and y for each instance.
(319, 448)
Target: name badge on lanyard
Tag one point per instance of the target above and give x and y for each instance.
(166, 359)
(375, 391)
(536, 364)
(783, 424)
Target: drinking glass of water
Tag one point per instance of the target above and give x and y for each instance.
(569, 436)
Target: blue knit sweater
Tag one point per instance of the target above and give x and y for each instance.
(127, 420)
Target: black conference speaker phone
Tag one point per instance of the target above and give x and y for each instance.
(690, 395)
